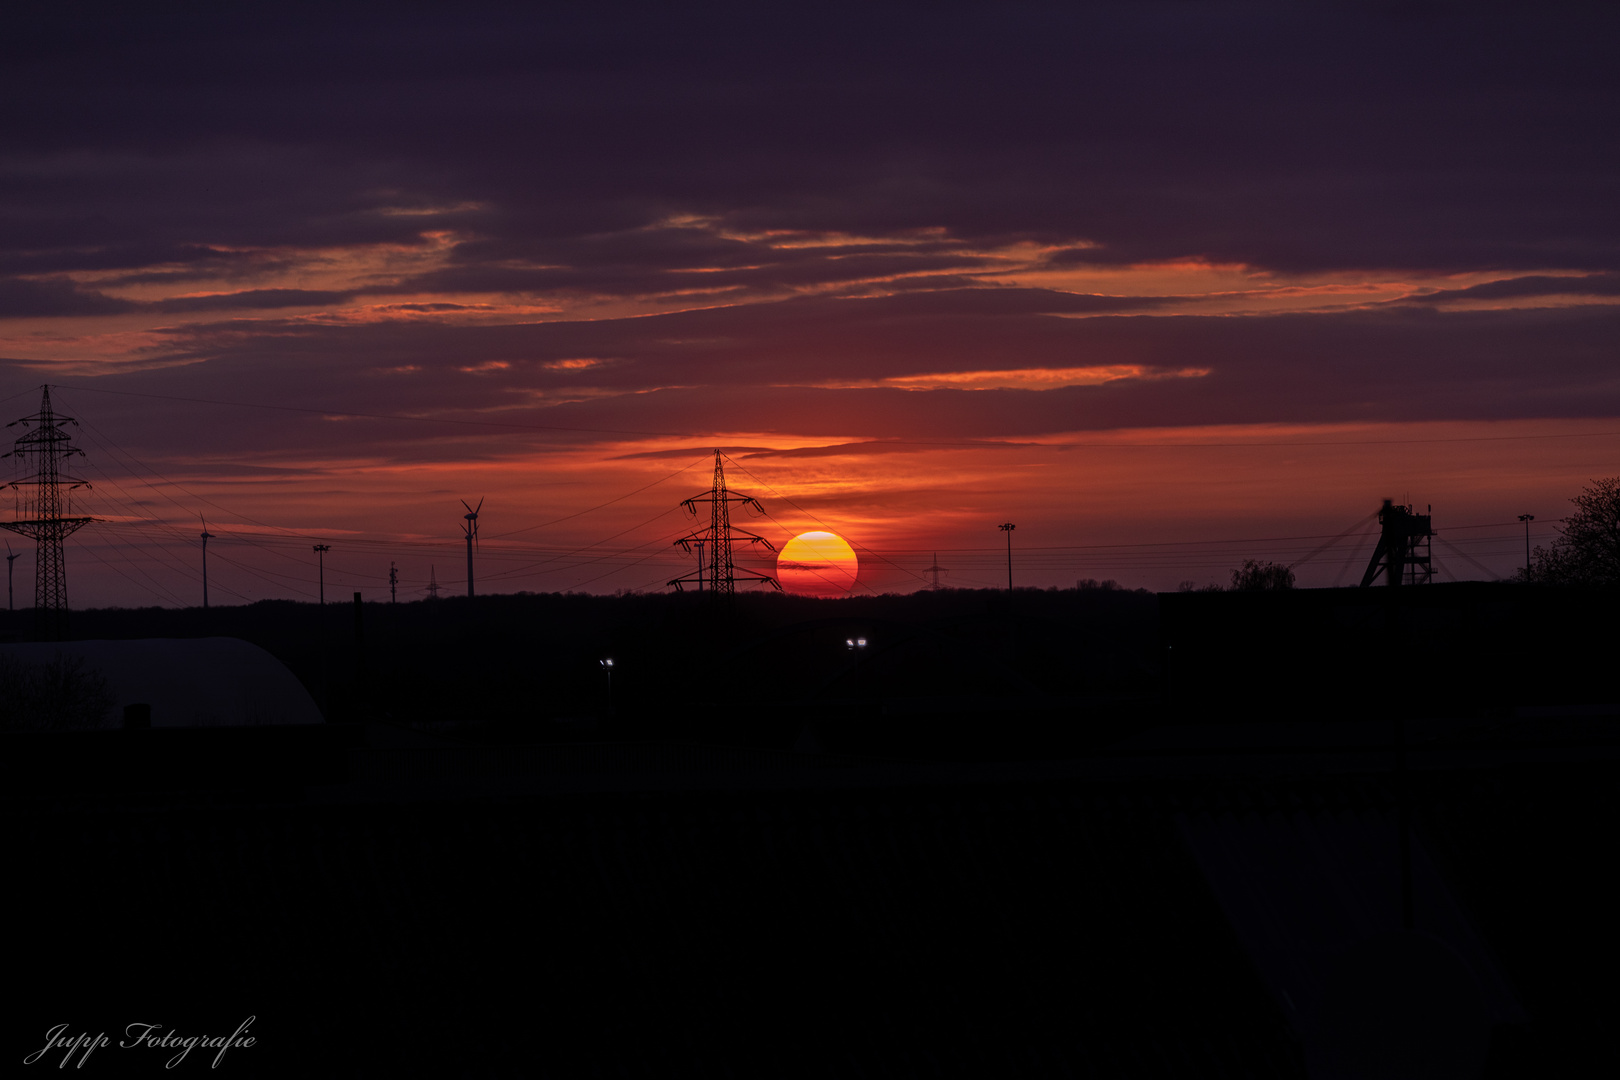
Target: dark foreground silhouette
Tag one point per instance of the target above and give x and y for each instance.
(1140, 880)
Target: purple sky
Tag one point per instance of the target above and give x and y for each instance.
(1139, 277)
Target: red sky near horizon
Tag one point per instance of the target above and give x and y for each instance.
(1111, 288)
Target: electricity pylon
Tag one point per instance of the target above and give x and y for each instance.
(44, 513)
(720, 576)
(433, 585)
(933, 573)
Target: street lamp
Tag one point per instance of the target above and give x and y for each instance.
(1007, 528)
(607, 666)
(320, 555)
(1527, 519)
(855, 643)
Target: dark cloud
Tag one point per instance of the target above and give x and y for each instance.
(482, 391)
(21, 298)
(687, 453)
(1530, 286)
(252, 299)
(737, 156)
(884, 446)
(1285, 136)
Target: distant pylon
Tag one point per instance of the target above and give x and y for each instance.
(44, 513)
(933, 573)
(432, 588)
(720, 576)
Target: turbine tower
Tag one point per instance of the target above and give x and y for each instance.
(471, 529)
(45, 512)
(206, 536)
(720, 576)
(11, 596)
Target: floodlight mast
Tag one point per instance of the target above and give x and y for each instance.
(1008, 527)
(49, 494)
(320, 559)
(721, 574)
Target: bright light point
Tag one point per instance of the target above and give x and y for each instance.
(817, 564)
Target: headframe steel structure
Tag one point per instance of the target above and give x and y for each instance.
(720, 576)
(1402, 554)
(44, 510)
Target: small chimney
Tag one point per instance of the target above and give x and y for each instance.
(137, 717)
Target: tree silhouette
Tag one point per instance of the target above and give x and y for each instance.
(1587, 550)
(1256, 576)
(60, 694)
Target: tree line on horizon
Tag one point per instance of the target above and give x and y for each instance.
(1585, 552)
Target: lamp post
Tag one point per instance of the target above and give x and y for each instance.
(607, 666)
(320, 557)
(1008, 527)
(1527, 519)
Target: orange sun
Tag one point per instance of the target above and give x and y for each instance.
(817, 564)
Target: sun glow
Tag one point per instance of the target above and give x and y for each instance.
(817, 564)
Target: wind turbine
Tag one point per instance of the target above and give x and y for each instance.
(206, 536)
(471, 529)
(11, 558)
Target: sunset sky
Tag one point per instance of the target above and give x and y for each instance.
(1167, 285)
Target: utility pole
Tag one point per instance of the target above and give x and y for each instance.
(206, 536)
(11, 557)
(320, 555)
(49, 446)
(1008, 527)
(393, 583)
(1527, 519)
(721, 575)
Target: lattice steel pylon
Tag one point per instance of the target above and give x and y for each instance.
(44, 510)
(720, 576)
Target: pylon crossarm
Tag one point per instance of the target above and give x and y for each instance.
(753, 538)
(751, 576)
(702, 536)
